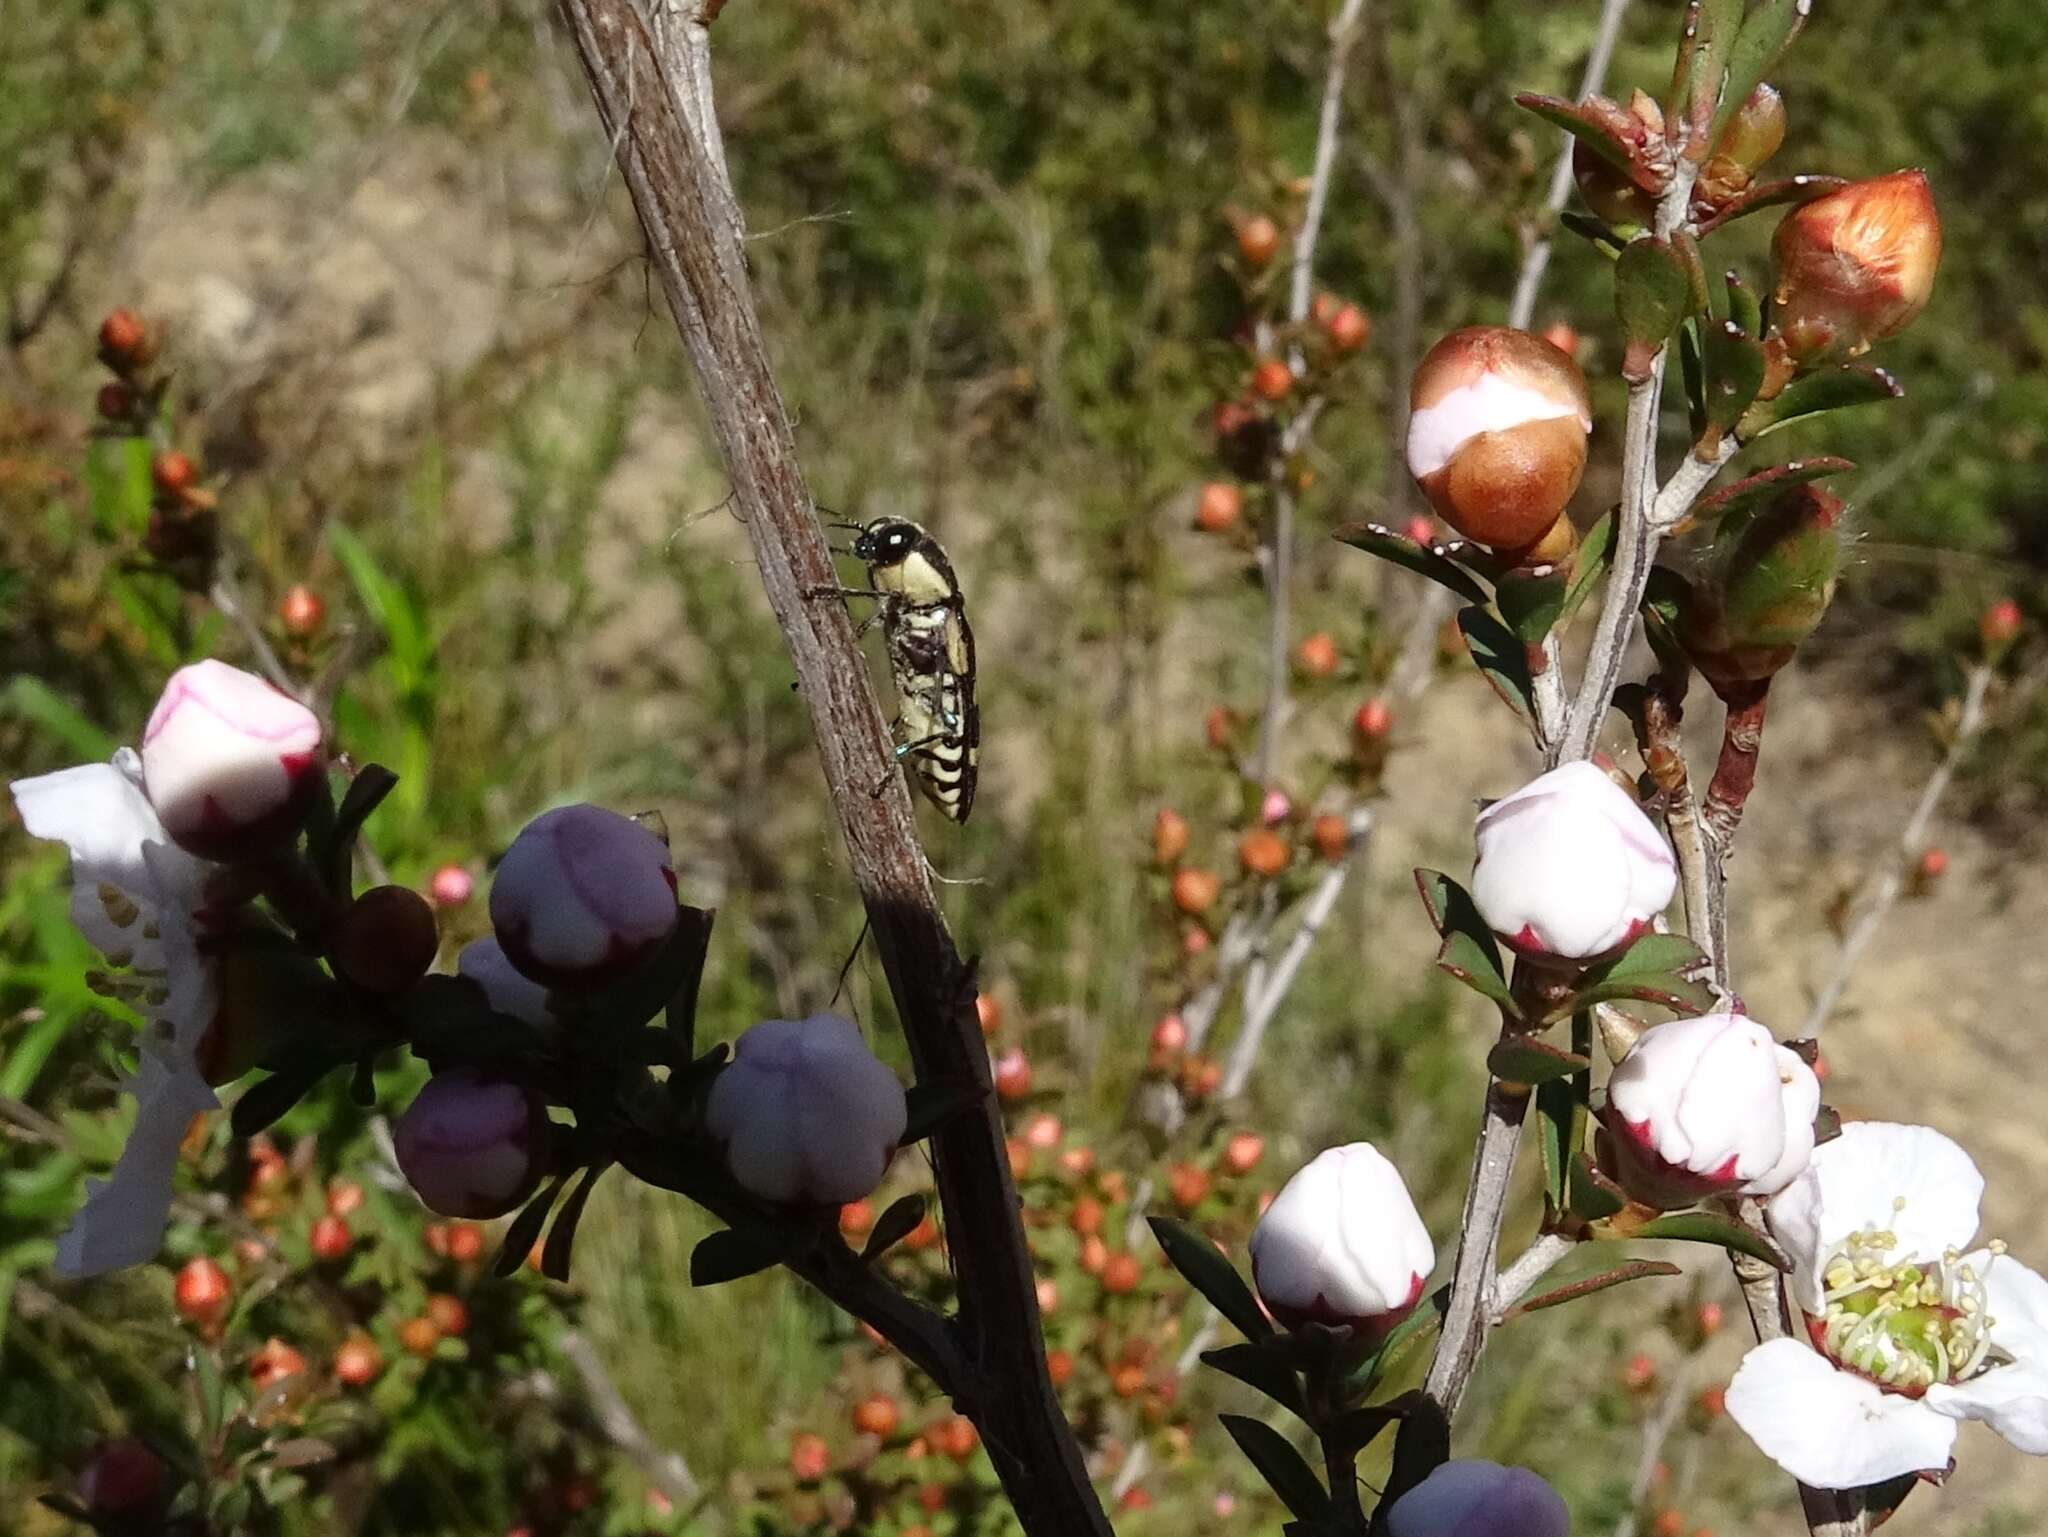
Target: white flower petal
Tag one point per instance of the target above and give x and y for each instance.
(1828, 1428)
(1907, 1180)
(122, 1221)
(2012, 1399)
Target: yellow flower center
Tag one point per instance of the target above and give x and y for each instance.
(1906, 1324)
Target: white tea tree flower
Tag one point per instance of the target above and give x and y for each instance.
(581, 896)
(142, 902)
(808, 1115)
(470, 1146)
(1911, 1330)
(1469, 1497)
(1342, 1245)
(1710, 1106)
(230, 762)
(1569, 868)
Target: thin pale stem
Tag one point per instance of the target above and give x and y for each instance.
(1486, 1199)
(1534, 1263)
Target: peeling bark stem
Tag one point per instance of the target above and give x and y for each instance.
(1742, 738)
(649, 70)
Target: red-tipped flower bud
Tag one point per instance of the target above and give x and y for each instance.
(807, 1113)
(330, 1239)
(1195, 891)
(1012, 1074)
(1497, 438)
(2000, 626)
(173, 473)
(1263, 853)
(1856, 266)
(1272, 380)
(357, 1361)
(201, 1293)
(230, 763)
(1342, 1245)
(1331, 835)
(582, 895)
(1349, 329)
(125, 341)
(471, 1147)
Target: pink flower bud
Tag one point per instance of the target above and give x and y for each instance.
(806, 1112)
(1342, 1245)
(1710, 1106)
(1497, 438)
(1275, 808)
(582, 895)
(472, 1147)
(1569, 867)
(1471, 1498)
(229, 763)
(506, 988)
(451, 886)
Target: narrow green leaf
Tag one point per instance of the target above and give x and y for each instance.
(1582, 125)
(1452, 910)
(1744, 308)
(1465, 958)
(1501, 657)
(895, 1224)
(1590, 1194)
(1655, 953)
(1209, 1273)
(1733, 364)
(1402, 551)
(1557, 1105)
(1531, 605)
(1771, 194)
(1282, 1467)
(36, 702)
(735, 1252)
(1652, 970)
(1635, 1270)
(680, 1012)
(1694, 371)
(1766, 34)
(654, 984)
(561, 1244)
(1599, 232)
(1747, 495)
(1589, 564)
(1532, 1060)
(524, 1230)
(1722, 1232)
(1652, 294)
(1832, 389)
(1263, 1368)
(266, 1100)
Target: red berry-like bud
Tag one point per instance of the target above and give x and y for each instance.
(1086, 1217)
(1200, 1077)
(1709, 1317)
(1563, 338)
(2000, 625)
(1713, 1404)
(1639, 1372)
(1126, 1378)
(124, 340)
(1043, 1132)
(1933, 864)
(1317, 655)
(1195, 891)
(357, 1361)
(955, 1437)
(1272, 380)
(448, 1314)
(1331, 835)
(1263, 853)
(450, 886)
(123, 1481)
(856, 1220)
(1188, 1183)
(1241, 1154)
(1375, 718)
(1137, 1497)
(1349, 329)
(1048, 1294)
(810, 1459)
(115, 402)
(1220, 727)
(1258, 240)
(418, 1336)
(386, 940)
(344, 1197)
(1059, 1366)
(1855, 267)
(273, 1362)
(301, 612)
(201, 1293)
(465, 1243)
(1170, 1035)
(924, 1236)
(1219, 507)
(330, 1239)
(877, 1415)
(1094, 1254)
(1013, 1075)
(1120, 1276)
(173, 473)
(988, 1009)
(1169, 835)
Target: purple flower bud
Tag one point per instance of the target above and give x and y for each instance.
(582, 895)
(1471, 1498)
(229, 763)
(471, 1147)
(806, 1112)
(506, 988)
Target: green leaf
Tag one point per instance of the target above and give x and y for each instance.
(1263, 1367)
(1652, 294)
(1282, 1467)
(266, 1100)
(1742, 499)
(894, 1225)
(1591, 1195)
(524, 1230)
(1532, 1060)
(1695, 375)
(1831, 389)
(1773, 194)
(1766, 33)
(1406, 553)
(1501, 657)
(1733, 365)
(1635, 1270)
(1652, 970)
(680, 1012)
(1209, 1273)
(1598, 231)
(36, 702)
(1744, 308)
(1710, 31)
(1531, 605)
(1722, 1232)
(1452, 910)
(1582, 124)
(1557, 1120)
(1421, 1447)
(1589, 564)
(736, 1252)
(1464, 958)
(554, 1258)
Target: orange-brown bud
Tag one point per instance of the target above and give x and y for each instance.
(1375, 718)
(1751, 137)
(448, 1313)
(330, 1239)
(115, 401)
(125, 341)
(1263, 852)
(1241, 1154)
(1120, 1275)
(1563, 338)
(1272, 380)
(2000, 625)
(201, 1293)
(1258, 240)
(1349, 329)
(856, 1220)
(988, 1009)
(1219, 726)
(301, 612)
(1331, 835)
(1855, 267)
(1497, 437)
(1169, 835)
(1219, 507)
(173, 473)
(877, 1415)
(418, 1336)
(1013, 1075)
(1317, 655)
(1195, 891)
(357, 1361)
(1188, 1183)
(1059, 1366)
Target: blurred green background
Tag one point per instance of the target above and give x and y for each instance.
(418, 349)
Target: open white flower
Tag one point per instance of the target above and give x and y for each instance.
(141, 901)
(1910, 1331)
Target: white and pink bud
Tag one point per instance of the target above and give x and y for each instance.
(807, 1113)
(472, 1147)
(582, 896)
(230, 763)
(1569, 868)
(1342, 1245)
(1710, 1106)
(1473, 1498)
(1497, 428)
(506, 988)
